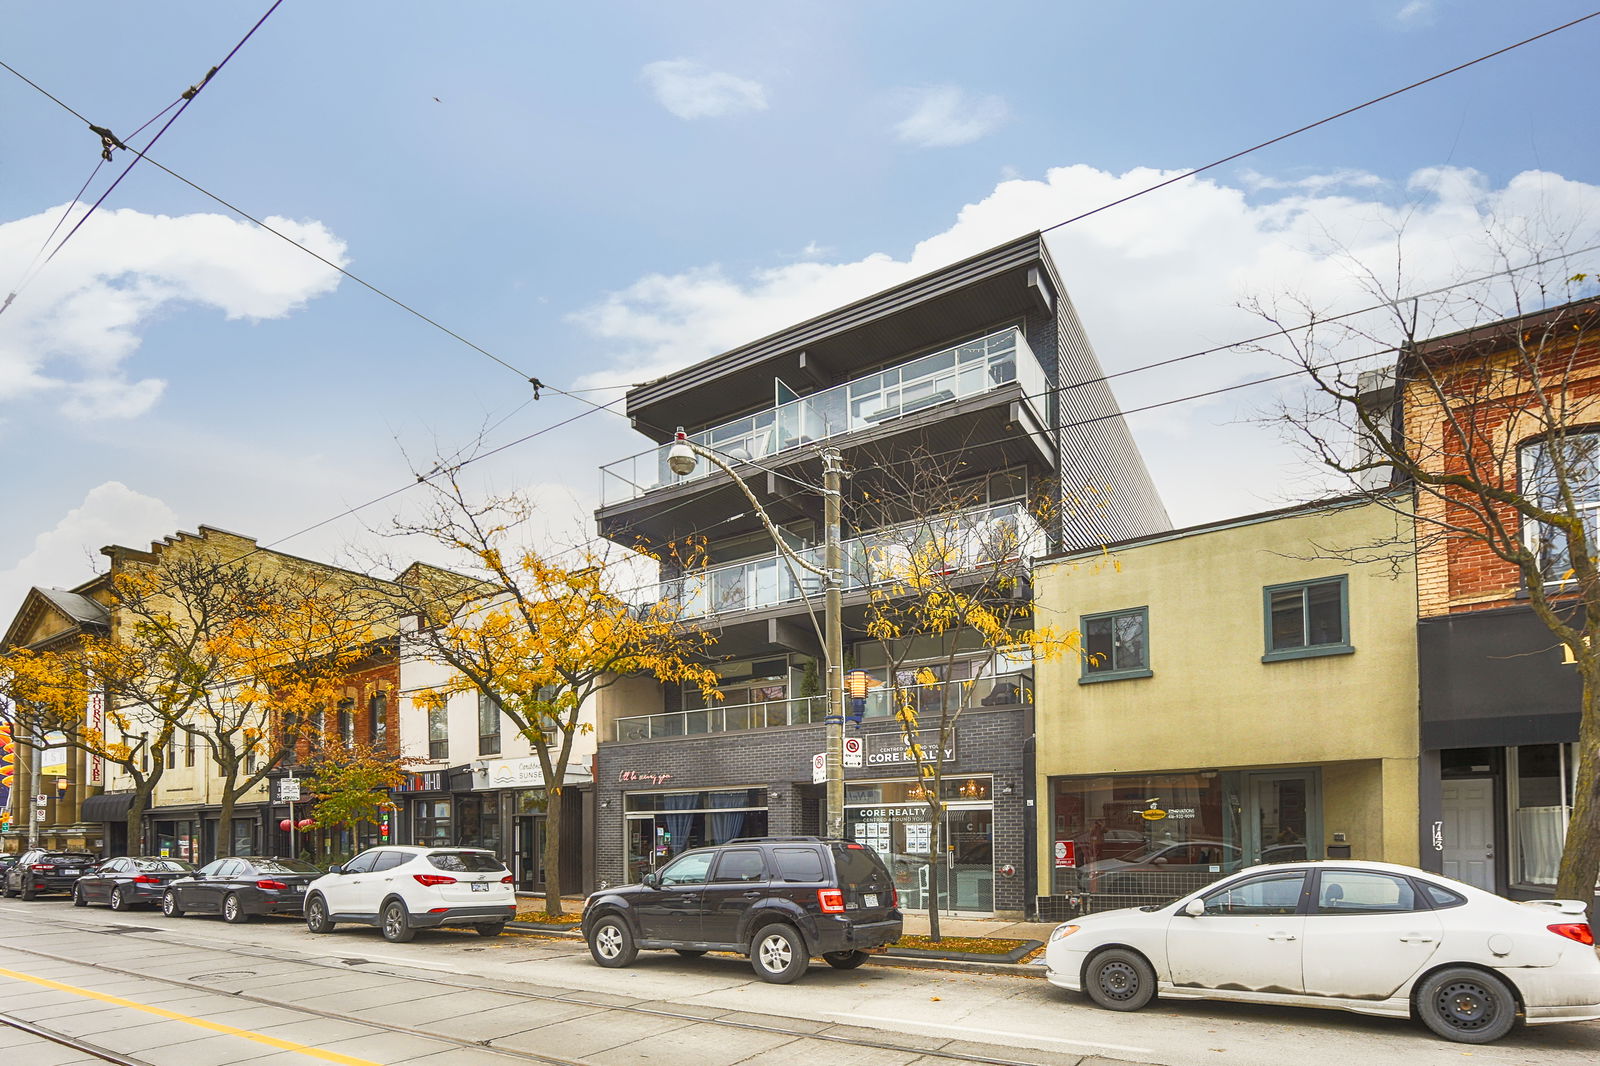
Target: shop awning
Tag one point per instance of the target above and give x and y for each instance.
(107, 807)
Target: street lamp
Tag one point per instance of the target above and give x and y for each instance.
(681, 461)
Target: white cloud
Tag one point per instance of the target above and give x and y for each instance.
(1416, 13)
(68, 555)
(945, 116)
(1313, 183)
(692, 90)
(75, 326)
(1156, 277)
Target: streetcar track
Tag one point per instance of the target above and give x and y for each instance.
(572, 997)
(73, 1042)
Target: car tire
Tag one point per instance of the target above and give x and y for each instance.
(611, 942)
(26, 894)
(170, 905)
(233, 910)
(845, 960)
(397, 923)
(1119, 979)
(1467, 1005)
(317, 920)
(119, 900)
(77, 897)
(490, 928)
(5, 889)
(778, 954)
(690, 953)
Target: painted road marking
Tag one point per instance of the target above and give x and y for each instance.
(216, 1027)
(901, 1023)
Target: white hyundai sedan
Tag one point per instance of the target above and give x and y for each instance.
(1368, 937)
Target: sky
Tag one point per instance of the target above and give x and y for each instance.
(598, 194)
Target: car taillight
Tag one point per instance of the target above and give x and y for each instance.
(433, 879)
(42, 866)
(1578, 931)
(894, 896)
(831, 899)
(506, 880)
(272, 886)
(146, 879)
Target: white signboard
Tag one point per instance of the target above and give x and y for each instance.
(819, 768)
(852, 751)
(289, 790)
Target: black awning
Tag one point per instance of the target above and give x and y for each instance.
(107, 807)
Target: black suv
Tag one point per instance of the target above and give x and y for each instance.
(779, 900)
(39, 871)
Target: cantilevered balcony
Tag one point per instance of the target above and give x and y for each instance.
(966, 539)
(966, 370)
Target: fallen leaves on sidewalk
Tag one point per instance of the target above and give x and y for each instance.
(971, 945)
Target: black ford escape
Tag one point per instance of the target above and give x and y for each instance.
(779, 900)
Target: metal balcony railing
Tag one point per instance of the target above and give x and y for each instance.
(969, 369)
(1001, 690)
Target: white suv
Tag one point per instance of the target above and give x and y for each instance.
(402, 889)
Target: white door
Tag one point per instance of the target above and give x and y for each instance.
(1468, 813)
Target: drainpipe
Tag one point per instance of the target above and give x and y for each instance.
(1030, 823)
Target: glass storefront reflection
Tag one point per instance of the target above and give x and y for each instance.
(662, 824)
(893, 819)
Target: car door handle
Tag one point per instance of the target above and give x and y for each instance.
(1282, 936)
(752, 894)
(1415, 939)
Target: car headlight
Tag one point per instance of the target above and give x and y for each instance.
(1061, 931)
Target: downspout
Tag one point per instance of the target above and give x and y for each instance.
(1030, 821)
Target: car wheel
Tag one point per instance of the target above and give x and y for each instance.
(690, 953)
(26, 893)
(845, 960)
(317, 915)
(1120, 979)
(170, 906)
(778, 954)
(77, 897)
(119, 899)
(611, 943)
(1467, 1005)
(397, 923)
(232, 910)
(5, 889)
(490, 928)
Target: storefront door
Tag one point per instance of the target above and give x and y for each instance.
(1467, 810)
(530, 852)
(1283, 821)
(969, 869)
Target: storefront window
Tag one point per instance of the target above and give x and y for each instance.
(478, 822)
(1542, 791)
(662, 824)
(178, 839)
(430, 820)
(893, 819)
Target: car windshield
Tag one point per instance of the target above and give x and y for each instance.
(466, 862)
(283, 866)
(164, 866)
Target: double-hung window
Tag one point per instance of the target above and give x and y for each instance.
(438, 732)
(1116, 645)
(378, 719)
(488, 724)
(1307, 618)
(1571, 462)
(347, 723)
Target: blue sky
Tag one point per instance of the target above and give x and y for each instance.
(603, 191)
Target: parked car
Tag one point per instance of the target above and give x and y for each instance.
(779, 900)
(401, 889)
(7, 862)
(1137, 872)
(125, 882)
(1368, 937)
(39, 871)
(240, 888)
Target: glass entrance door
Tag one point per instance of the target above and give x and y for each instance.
(1283, 822)
(969, 836)
(530, 852)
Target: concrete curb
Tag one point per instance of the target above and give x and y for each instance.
(1027, 947)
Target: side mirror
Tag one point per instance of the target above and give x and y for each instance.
(1161, 861)
(650, 880)
(336, 869)
(1194, 908)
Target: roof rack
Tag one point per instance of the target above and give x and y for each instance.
(776, 840)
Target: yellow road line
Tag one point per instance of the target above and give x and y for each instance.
(216, 1027)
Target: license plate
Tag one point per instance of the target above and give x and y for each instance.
(70, 873)
(480, 886)
(869, 899)
(297, 888)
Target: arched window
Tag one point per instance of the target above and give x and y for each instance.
(1569, 460)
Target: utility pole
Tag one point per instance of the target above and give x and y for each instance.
(35, 765)
(833, 626)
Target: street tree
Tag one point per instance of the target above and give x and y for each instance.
(351, 783)
(950, 604)
(1490, 418)
(538, 636)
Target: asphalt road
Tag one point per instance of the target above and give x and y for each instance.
(198, 992)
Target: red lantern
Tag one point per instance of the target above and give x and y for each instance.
(286, 825)
(306, 823)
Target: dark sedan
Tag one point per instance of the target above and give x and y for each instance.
(127, 882)
(241, 888)
(40, 871)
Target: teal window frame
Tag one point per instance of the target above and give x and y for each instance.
(1309, 651)
(1088, 677)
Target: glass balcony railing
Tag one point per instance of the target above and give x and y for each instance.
(1000, 690)
(969, 369)
(966, 539)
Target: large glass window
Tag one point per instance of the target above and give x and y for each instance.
(660, 825)
(1307, 618)
(1115, 645)
(488, 724)
(1571, 463)
(430, 820)
(893, 819)
(1541, 794)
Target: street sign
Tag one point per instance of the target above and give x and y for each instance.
(852, 751)
(289, 790)
(819, 768)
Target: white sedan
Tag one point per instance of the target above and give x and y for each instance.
(1368, 937)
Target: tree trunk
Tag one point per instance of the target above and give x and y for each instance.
(225, 821)
(936, 861)
(1580, 858)
(554, 799)
(135, 818)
